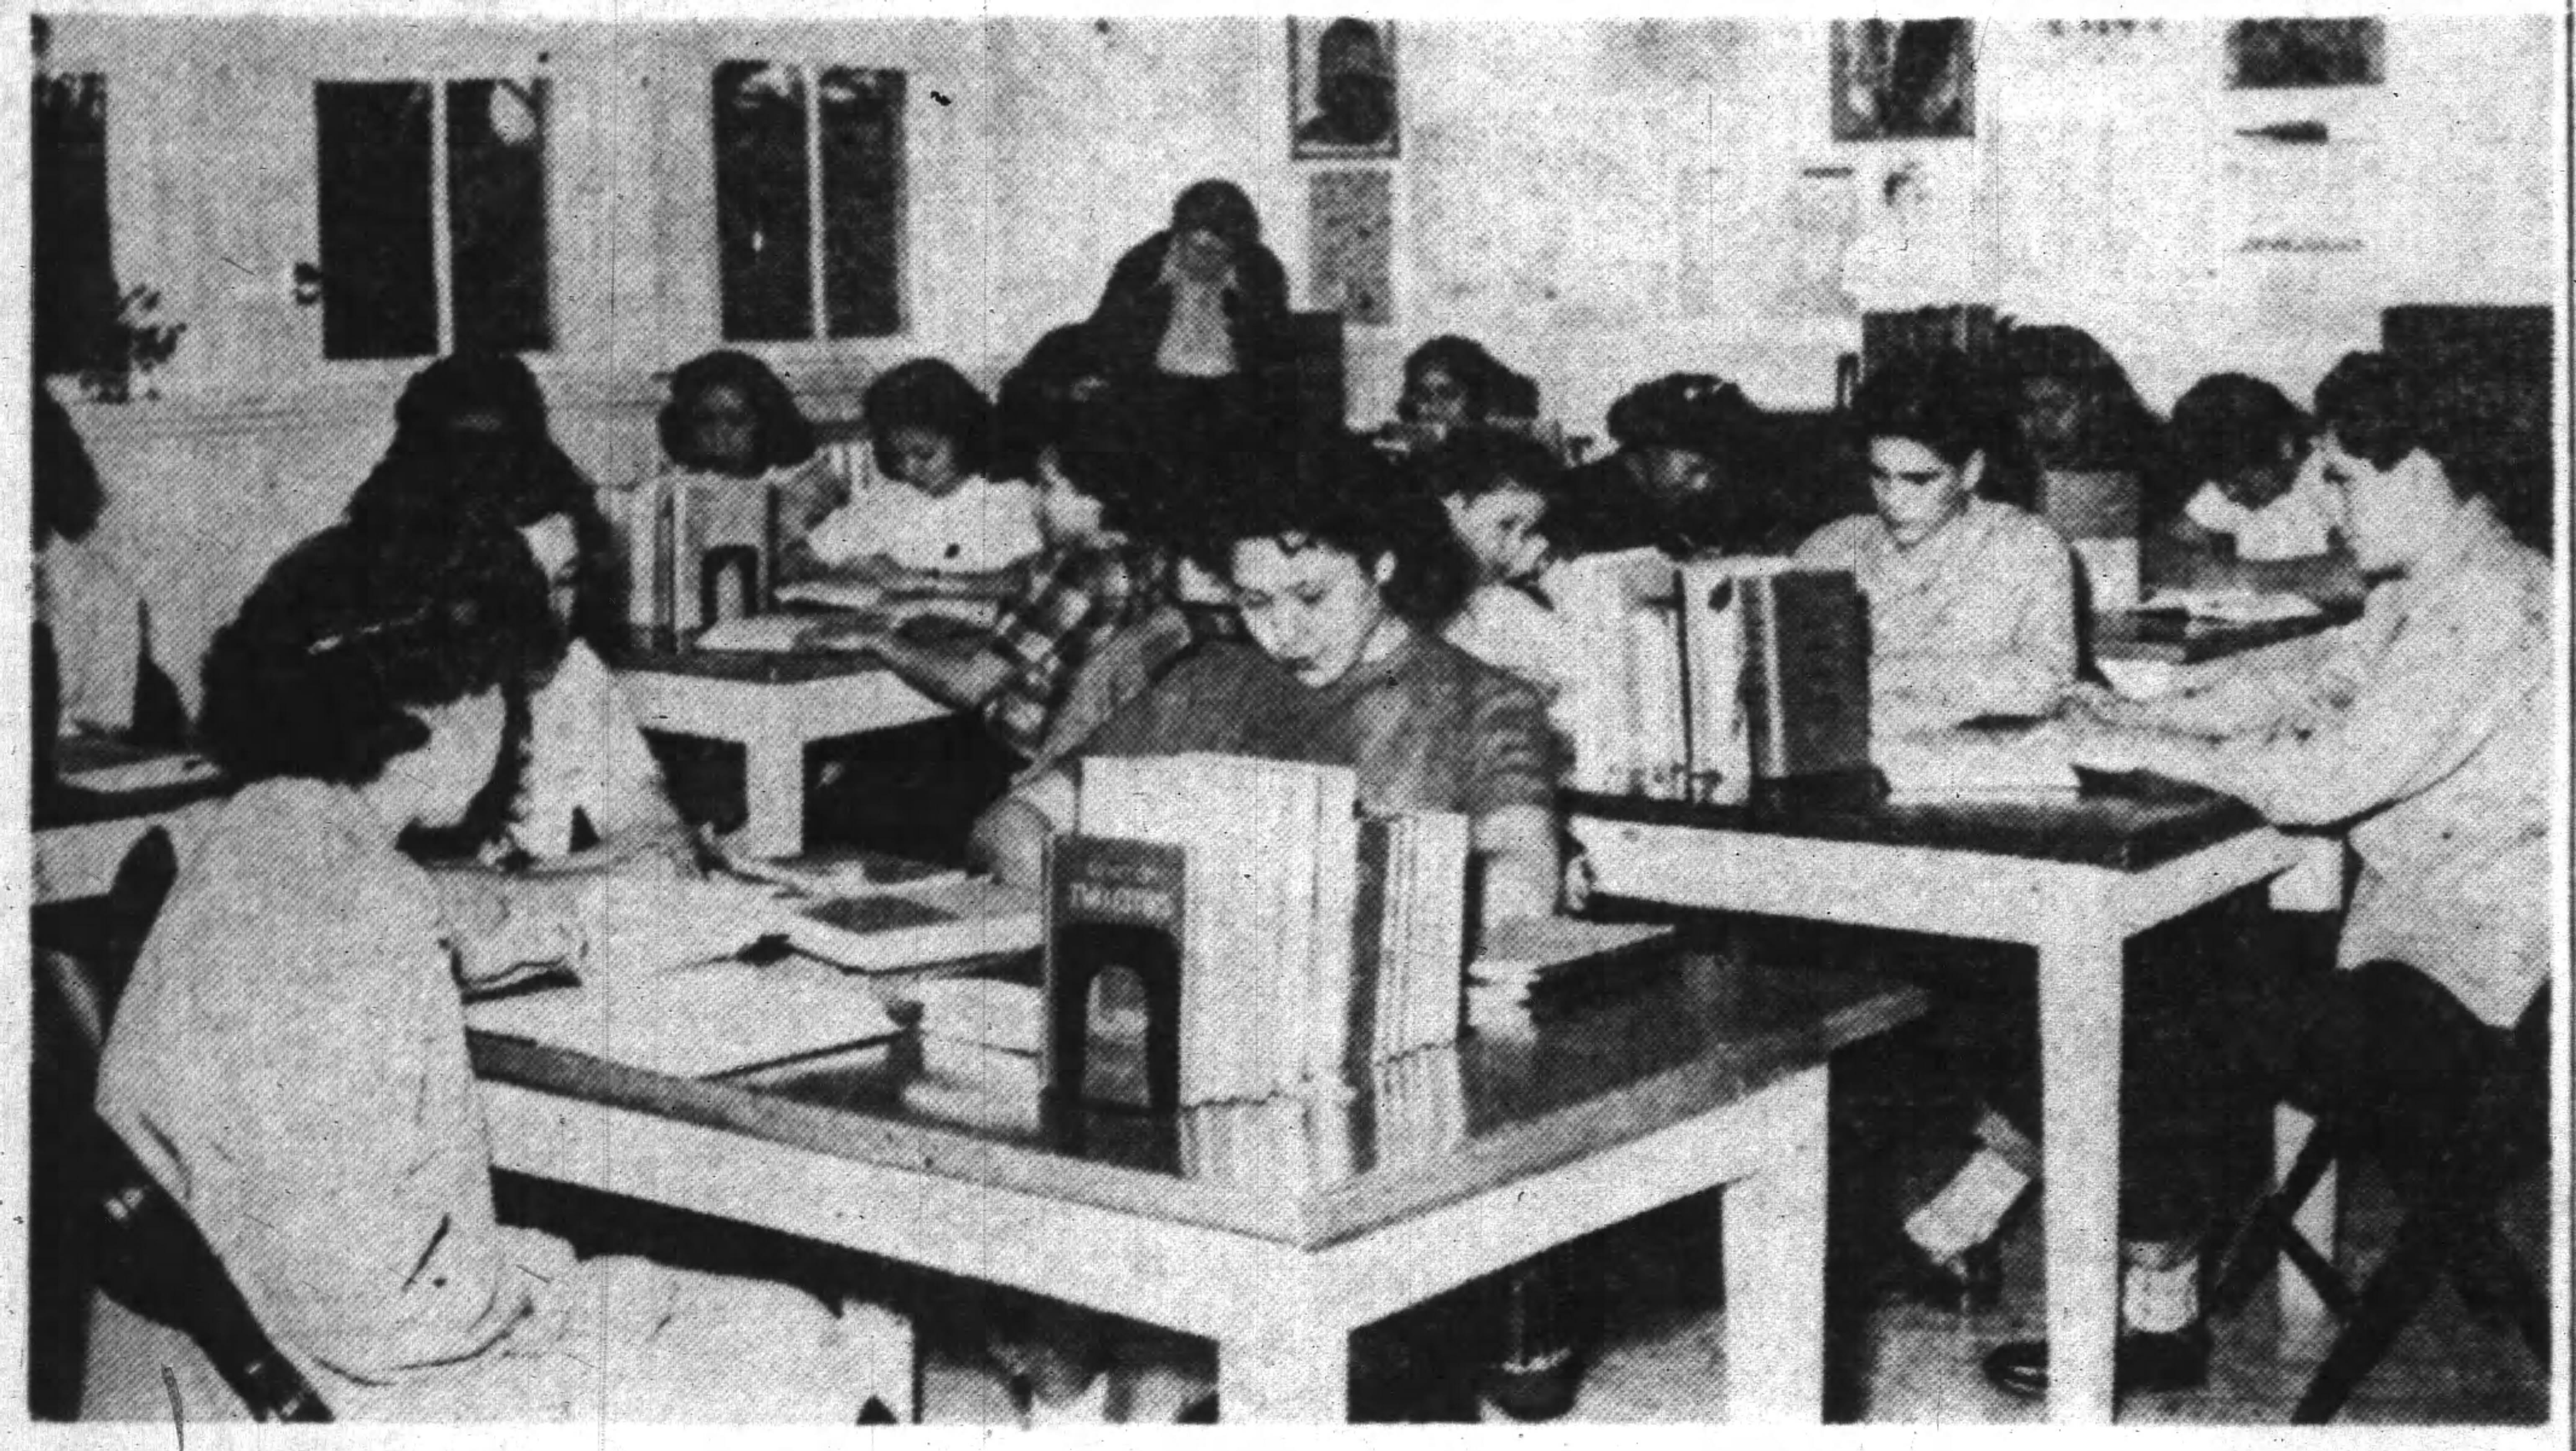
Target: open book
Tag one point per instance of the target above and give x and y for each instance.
(1977, 761)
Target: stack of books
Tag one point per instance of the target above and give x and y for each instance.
(1533, 957)
(1307, 940)
(1414, 1110)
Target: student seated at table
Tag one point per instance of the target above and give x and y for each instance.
(729, 417)
(1497, 488)
(1106, 509)
(1337, 589)
(592, 795)
(1451, 382)
(934, 526)
(2427, 732)
(290, 1062)
(1338, 577)
(93, 630)
(2081, 427)
(2260, 514)
(1690, 449)
(1971, 602)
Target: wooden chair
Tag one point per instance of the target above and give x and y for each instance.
(114, 1227)
(2449, 1230)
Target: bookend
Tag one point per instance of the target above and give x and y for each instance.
(1111, 904)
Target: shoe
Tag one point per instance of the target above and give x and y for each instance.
(2147, 1364)
(1967, 1283)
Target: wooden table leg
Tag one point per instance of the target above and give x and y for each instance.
(773, 794)
(1290, 1370)
(2079, 1032)
(2306, 1324)
(1775, 1278)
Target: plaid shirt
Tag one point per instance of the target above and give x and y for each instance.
(1075, 599)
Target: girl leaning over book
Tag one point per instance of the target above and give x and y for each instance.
(290, 1059)
(1341, 579)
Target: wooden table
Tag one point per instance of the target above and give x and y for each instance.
(774, 707)
(1701, 1073)
(2074, 879)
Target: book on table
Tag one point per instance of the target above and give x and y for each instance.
(1285, 939)
(1714, 674)
(704, 1020)
(903, 927)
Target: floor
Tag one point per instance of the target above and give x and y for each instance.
(1660, 1351)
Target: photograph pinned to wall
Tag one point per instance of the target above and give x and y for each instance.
(1904, 79)
(2277, 55)
(1350, 230)
(1341, 89)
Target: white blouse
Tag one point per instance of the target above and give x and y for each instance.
(980, 525)
(586, 754)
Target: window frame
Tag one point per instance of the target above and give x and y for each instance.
(819, 345)
(438, 79)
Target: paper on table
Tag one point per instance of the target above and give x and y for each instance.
(149, 774)
(2235, 607)
(698, 1021)
(637, 926)
(759, 634)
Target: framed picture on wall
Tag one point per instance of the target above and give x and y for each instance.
(1341, 89)
(1904, 79)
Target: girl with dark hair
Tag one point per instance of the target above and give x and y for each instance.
(933, 524)
(1452, 382)
(592, 796)
(1342, 578)
(1691, 452)
(289, 1060)
(1972, 602)
(1497, 489)
(729, 417)
(1105, 506)
(1342, 581)
(2259, 512)
(1194, 326)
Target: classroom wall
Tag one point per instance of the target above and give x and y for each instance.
(1600, 202)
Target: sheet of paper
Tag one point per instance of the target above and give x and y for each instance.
(759, 634)
(1968, 763)
(699, 1021)
(150, 774)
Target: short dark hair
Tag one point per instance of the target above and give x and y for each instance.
(2230, 422)
(1107, 454)
(1703, 414)
(786, 438)
(1336, 492)
(1061, 381)
(468, 381)
(1473, 462)
(1219, 206)
(318, 674)
(1942, 401)
(930, 394)
(1492, 389)
(2377, 409)
(516, 483)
